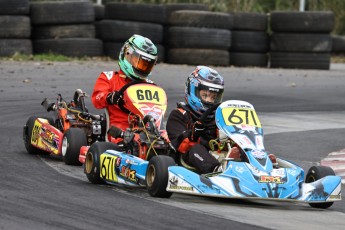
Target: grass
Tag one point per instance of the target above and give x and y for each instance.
(339, 58)
(51, 57)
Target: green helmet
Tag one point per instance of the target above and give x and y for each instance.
(137, 57)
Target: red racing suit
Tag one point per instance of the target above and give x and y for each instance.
(106, 83)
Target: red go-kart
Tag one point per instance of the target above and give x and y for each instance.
(63, 134)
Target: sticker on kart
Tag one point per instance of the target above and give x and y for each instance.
(108, 167)
(112, 169)
(43, 138)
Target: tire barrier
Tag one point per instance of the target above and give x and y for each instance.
(70, 47)
(99, 12)
(65, 28)
(338, 44)
(198, 56)
(193, 18)
(303, 22)
(250, 41)
(172, 7)
(122, 20)
(306, 60)
(15, 28)
(14, 7)
(202, 33)
(140, 12)
(184, 33)
(301, 39)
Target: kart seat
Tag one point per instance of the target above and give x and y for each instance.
(187, 166)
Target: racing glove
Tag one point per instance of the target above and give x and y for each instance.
(197, 129)
(114, 98)
(115, 132)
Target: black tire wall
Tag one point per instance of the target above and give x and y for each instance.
(14, 7)
(59, 13)
(15, 28)
(301, 40)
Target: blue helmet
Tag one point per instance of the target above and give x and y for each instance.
(201, 83)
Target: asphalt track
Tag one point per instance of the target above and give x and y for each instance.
(301, 112)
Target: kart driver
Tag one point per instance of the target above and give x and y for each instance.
(136, 60)
(187, 130)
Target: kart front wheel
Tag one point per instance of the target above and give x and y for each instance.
(92, 161)
(315, 173)
(73, 140)
(157, 176)
(28, 132)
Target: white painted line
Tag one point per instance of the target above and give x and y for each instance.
(334, 159)
(340, 152)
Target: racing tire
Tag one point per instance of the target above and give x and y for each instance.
(304, 22)
(70, 47)
(73, 140)
(303, 60)
(9, 47)
(64, 31)
(199, 37)
(15, 26)
(250, 21)
(27, 134)
(108, 30)
(92, 164)
(157, 176)
(172, 7)
(315, 173)
(249, 41)
(140, 12)
(198, 56)
(195, 18)
(61, 12)
(15, 7)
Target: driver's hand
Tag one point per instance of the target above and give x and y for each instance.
(114, 98)
(197, 129)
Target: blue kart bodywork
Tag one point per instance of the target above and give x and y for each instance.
(122, 168)
(255, 177)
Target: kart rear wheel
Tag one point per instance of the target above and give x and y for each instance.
(92, 163)
(73, 140)
(27, 135)
(157, 176)
(315, 173)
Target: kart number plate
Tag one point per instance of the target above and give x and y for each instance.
(108, 166)
(149, 94)
(240, 116)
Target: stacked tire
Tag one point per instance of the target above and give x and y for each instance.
(250, 41)
(301, 40)
(199, 37)
(65, 28)
(15, 28)
(338, 44)
(122, 20)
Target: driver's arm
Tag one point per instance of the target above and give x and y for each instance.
(179, 131)
(101, 89)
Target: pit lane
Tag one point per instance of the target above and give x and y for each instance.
(301, 112)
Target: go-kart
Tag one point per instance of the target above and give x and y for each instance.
(252, 175)
(125, 161)
(63, 134)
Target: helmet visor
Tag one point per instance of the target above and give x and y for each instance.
(209, 95)
(140, 61)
